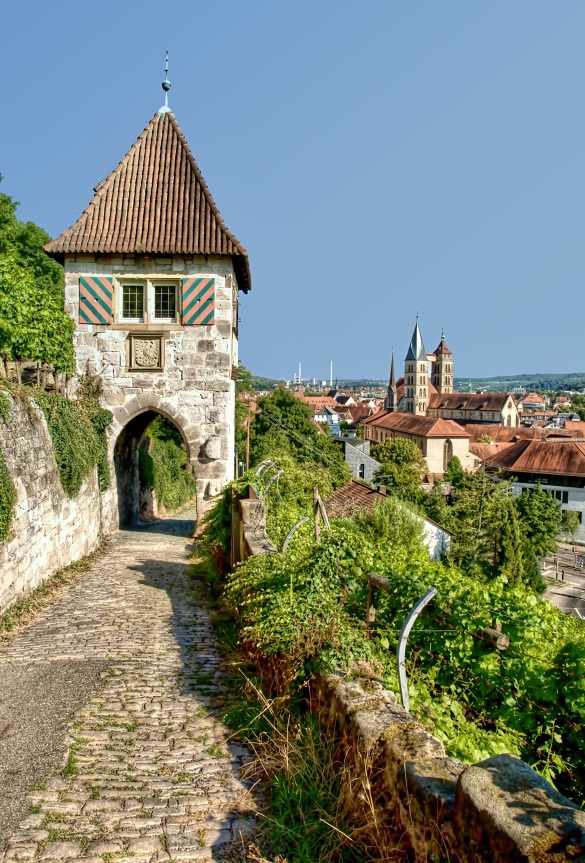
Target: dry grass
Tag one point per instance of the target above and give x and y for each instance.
(316, 812)
(25, 611)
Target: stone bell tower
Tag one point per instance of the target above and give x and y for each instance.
(442, 368)
(416, 376)
(152, 277)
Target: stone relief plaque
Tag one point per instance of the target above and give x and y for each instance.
(146, 352)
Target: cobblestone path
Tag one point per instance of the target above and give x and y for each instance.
(149, 775)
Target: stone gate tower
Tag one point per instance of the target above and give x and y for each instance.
(152, 276)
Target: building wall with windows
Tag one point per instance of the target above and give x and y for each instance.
(148, 353)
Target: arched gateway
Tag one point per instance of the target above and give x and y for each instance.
(152, 276)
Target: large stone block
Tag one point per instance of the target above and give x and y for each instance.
(505, 811)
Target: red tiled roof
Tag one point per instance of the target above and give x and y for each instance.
(512, 433)
(485, 451)
(443, 349)
(575, 425)
(533, 398)
(468, 401)
(565, 457)
(350, 499)
(416, 425)
(317, 401)
(155, 202)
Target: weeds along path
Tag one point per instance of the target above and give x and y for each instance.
(110, 745)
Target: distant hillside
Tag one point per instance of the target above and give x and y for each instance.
(538, 382)
(504, 383)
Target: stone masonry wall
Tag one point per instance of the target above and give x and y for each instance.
(49, 530)
(195, 388)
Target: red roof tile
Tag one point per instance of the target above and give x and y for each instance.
(485, 451)
(155, 202)
(350, 499)
(513, 433)
(416, 425)
(468, 401)
(562, 456)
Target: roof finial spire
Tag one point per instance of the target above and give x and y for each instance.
(166, 85)
(442, 334)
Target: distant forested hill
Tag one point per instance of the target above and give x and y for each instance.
(538, 382)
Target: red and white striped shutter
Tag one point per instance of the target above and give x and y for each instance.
(95, 299)
(198, 301)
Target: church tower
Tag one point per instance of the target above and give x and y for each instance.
(416, 376)
(442, 368)
(391, 400)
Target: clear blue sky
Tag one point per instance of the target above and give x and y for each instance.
(373, 157)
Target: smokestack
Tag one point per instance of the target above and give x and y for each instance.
(331, 376)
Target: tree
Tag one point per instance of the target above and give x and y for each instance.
(402, 467)
(244, 391)
(569, 522)
(284, 425)
(455, 473)
(436, 507)
(541, 518)
(26, 240)
(33, 324)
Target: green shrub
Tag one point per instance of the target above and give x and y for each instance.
(163, 465)
(7, 500)
(78, 437)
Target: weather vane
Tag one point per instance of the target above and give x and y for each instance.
(166, 85)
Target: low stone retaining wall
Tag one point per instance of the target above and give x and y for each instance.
(499, 810)
(49, 530)
(434, 807)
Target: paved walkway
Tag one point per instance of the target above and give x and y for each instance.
(143, 771)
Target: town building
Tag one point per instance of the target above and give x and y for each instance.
(437, 439)
(152, 278)
(557, 464)
(428, 412)
(533, 401)
(357, 456)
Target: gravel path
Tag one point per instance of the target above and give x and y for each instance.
(107, 707)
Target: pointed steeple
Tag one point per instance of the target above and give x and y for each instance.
(416, 349)
(416, 369)
(391, 401)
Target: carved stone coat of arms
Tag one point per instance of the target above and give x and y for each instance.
(146, 353)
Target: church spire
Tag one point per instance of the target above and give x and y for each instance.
(391, 401)
(416, 372)
(416, 349)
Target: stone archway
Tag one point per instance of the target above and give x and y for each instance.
(126, 461)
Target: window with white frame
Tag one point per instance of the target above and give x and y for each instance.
(148, 301)
(165, 301)
(133, 302)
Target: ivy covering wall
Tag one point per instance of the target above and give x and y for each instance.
(163, 465)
